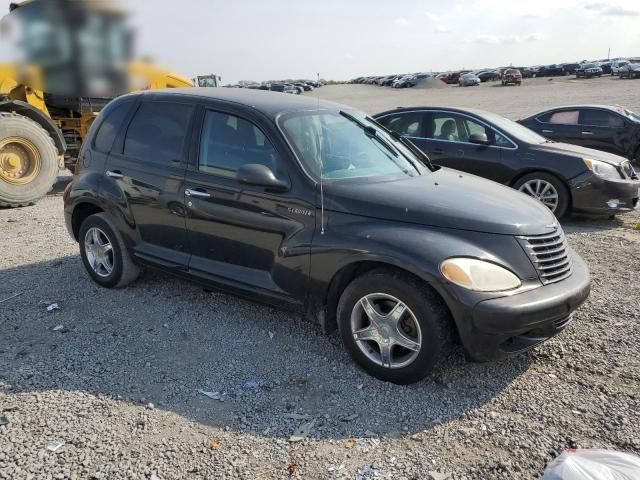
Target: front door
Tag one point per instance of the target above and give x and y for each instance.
(246, 237)
(602, 130)
(147, 171)
(446, 141)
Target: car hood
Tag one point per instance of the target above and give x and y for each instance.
(580, 152)
(444, 198)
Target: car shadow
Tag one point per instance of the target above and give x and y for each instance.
(582, 224)
(162, 340)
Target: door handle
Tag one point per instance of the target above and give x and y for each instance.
(114, 174)
(587, 133)
(547, 131)
(193, 192)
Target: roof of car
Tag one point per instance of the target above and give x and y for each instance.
(473, 111)
(269, 103)
(614, 108)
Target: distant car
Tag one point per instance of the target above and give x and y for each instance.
(570, 68)
(617, 64)
(550, 71)
(450, 78)
(402, 82)
(562, 176)
(631, 70)
(511, 76)
(488, 76)
(606, 68)
(413, 80)
(588, 70)
(305, 86)
(468, 80)
(611, 129)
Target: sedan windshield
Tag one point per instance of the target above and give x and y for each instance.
(341, 145)
(513, 129)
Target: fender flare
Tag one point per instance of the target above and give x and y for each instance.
(26, 110)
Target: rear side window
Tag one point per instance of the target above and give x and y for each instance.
(157, 132)
(229, 142)
(408, 124)
(565, 118)
(109, 129)
(600, 118)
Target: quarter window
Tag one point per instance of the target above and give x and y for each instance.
(229, 142)
(109, 128)
(157, 132)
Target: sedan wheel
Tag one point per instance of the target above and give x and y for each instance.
(385, 330)
(543, 191)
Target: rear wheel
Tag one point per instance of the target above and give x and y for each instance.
(104, 253)
(547, 189)
(28, 161)
(393, 327)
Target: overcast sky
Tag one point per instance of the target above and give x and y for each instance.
(342, 39)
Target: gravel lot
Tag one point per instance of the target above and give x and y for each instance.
(115, 374)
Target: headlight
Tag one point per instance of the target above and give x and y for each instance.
(478, 275)
(602, 169)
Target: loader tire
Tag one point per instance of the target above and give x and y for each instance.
(28, 161)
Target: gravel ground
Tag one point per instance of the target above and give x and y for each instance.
(114, 375)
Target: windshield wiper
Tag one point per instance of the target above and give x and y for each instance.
(407, 143)
(370, 132)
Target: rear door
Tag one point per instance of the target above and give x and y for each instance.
(146, 171)
(561, 126)
(241, 236)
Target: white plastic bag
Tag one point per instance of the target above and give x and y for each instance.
(593, 465)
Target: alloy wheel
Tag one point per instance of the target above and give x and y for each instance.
(385, 330)
(543, 191)
(99, 251)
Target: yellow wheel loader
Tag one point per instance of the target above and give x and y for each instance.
(75, 56)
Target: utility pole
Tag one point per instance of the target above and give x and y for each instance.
(609, 54)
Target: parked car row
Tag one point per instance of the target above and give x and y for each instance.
(323, 210)
(395, 81)
(295, 87)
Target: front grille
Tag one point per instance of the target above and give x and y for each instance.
(628, 171)
(549, 255)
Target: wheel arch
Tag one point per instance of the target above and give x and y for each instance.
(22, 108)
(548, 172)
(81, 212)
(343, 277)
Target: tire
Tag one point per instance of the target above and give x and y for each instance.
(124, 270)
(25, 130)
(424, 307)
(561, 189)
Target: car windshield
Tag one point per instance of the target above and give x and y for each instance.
(343, 145)
(629, 114)
(513, 129)
(590, 65)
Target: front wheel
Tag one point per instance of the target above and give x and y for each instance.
(547, 189)
(393, 327)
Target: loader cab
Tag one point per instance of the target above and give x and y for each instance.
(80, 48)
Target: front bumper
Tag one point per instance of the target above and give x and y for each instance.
(593, 195)
(510, 324)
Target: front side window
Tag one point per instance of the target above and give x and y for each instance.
(228, 142)
(339, 145)
(157, 132)
(407, 124)
(600, 118)
(109, 128)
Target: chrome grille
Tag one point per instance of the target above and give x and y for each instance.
(549, 255)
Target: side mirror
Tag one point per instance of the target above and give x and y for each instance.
(479, 138)
(260, 176)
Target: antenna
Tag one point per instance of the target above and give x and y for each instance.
(321, 171)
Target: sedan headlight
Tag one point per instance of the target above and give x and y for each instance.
(602, 169)
(478, 275)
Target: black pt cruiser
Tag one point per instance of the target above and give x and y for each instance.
(314, 207)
